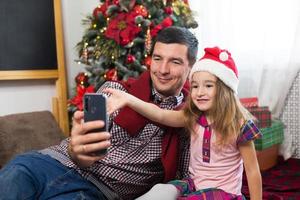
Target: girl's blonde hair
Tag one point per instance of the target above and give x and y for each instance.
(227, 114)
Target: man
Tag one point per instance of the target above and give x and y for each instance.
(140, 153)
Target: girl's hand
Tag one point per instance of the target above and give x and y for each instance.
(116, 100)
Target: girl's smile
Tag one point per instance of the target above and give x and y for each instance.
(203, 90)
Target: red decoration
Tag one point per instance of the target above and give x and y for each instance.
(116, 2)
(80, 91)
(148, 41)
(140, 10)
(130, 59)
(111, 75)
(122, 28)
(147, 62)
(164, 24)
(82, 79)
(167, 22)
(168, 10)
(100, 9)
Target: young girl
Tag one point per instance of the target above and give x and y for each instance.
(221, 133)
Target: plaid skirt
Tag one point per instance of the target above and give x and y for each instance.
(188, 192)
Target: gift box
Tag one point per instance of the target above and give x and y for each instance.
(270, 136)
(263, 116)
(268, 157)
(249, 102)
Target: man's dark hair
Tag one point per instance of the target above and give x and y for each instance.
(179, 35)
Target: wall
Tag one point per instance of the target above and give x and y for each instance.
(291, 119)
(33, 95)
(73, 13)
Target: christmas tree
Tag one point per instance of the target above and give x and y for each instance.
(118, 39)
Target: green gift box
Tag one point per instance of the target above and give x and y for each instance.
(270, 136)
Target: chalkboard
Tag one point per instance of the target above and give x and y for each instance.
(31, 48)
(27, 34)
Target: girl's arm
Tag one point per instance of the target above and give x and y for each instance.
(248, 154)
(119, 99)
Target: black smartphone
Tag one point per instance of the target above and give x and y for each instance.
(94, 106)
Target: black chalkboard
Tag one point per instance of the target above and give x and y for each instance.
(27, 35)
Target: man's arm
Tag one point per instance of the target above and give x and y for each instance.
(119, 99)
(82, 145)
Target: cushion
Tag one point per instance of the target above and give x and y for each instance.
(27, 131)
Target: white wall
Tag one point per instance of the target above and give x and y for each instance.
(35, 95)
(73, 13)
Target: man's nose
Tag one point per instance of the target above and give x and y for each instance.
(164, 68)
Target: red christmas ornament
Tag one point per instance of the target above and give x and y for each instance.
(82, 79)
(100, 9)
(140, 10)
(116, 2)
(168, 10)
(130, 59)
(111, 75)
(167, 22)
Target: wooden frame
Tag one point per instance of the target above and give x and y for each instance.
(59, 102)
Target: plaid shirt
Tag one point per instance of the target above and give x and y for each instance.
(133, 164)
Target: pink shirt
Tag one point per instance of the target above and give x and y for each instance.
(225, 169)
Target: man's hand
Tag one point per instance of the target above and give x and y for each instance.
(82, 145)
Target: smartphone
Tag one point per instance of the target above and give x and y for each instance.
(94, 108)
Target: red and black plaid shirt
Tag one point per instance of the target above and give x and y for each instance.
(133, 164)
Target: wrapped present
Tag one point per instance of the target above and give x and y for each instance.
(270, 136)
(268, 157)
(263, 116)
(249, 102)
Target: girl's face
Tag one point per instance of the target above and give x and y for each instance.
(203, 90)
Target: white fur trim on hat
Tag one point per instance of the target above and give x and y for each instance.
(218, 69)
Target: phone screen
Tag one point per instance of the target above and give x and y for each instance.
(94, 105)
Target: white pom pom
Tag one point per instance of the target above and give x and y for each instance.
(223, 56)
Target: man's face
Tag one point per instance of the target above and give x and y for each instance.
(169, 68)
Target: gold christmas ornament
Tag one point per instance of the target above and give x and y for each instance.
(148, 41)
(85, 53)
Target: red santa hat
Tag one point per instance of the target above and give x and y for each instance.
(219, 63)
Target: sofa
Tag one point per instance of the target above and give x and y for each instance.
(22, 132)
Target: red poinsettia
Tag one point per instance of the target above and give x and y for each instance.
(122, 28)
(130, 59)
(111, 75)
(81, 90)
